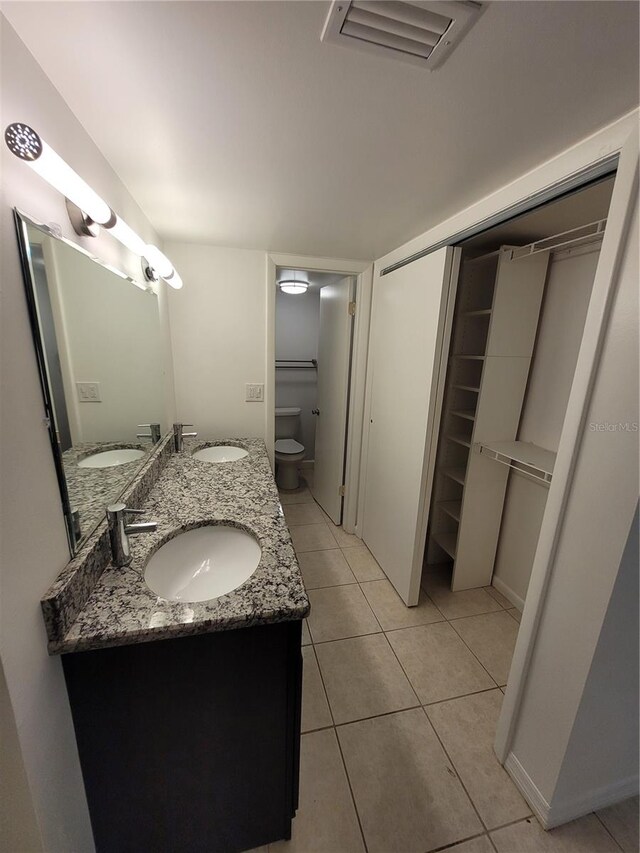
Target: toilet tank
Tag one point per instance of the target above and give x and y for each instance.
(287, 422)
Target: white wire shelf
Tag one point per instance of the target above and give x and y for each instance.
(523, 456)
(467, 388)
(480, 312)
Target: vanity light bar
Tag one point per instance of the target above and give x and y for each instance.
(27, 145)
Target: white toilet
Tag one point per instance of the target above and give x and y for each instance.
(289, 452)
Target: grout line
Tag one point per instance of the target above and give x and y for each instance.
(495, 681)
(350, 637)
(344, 763)
(607, 830)
(455, 769)
(455, 843)
(462, 696)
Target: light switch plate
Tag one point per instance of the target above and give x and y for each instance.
(89, 392)
(254, 392)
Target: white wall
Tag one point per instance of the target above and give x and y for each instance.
(297, 327)
(33, 542)
(566, 299)
(218, 333)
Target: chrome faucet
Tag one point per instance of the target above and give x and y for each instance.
(119, 531)
(153, 434)
(179, 435)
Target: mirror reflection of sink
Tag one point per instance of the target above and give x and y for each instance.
(202, 563)
(220, 453)
(110, 458)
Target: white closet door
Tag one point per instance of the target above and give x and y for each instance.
(334, 350)
(410, 330)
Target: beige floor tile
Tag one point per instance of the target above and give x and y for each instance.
(304, 513)
(408, 797)
(363, 678)
(513, 611)
(339, 612)
(363, 564)
(345, 540)
(391, 610)
(296, 496)
(315, 708)
(325, 568)
(622, 822)
(586, 835)
(492, 638)
(312, 537)
(467, 729)
(467, 602)
(502, 600)
(437, 662)
(306, 636)
(481, 844)
(326, 821)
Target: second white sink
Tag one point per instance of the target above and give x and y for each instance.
(203, 563)
(110, 458)
(220, 453)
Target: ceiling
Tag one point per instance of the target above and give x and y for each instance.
(231, 123)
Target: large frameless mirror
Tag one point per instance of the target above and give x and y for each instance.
(99, 348)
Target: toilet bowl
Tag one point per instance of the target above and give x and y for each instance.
(289, 453)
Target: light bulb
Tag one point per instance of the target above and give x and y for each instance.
(174, 280)
(27, 145)
(128, 237)
(291, 286)
(157, 261)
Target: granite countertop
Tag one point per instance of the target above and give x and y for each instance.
(91, 489)
(120, 608)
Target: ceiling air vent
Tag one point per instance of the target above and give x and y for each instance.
(423, 33)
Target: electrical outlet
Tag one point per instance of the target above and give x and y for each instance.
(254, 392)
(89, 392)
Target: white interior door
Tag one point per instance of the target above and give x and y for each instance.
(334, 352)
(411, 323)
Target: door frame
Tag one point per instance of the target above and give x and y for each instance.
(363, 272)
(572, 168)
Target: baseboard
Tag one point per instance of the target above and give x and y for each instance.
(563, 812)
(501, 586)
(306, 463)
(526, 786)
(599, 798)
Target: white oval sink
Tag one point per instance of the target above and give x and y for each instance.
(109, 458)
(203, 563)
(220, 453)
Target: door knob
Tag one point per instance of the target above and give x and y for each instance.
(315, 411)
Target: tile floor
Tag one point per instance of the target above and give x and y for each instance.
(399, 714)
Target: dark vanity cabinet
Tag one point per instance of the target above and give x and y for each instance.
(190, 744)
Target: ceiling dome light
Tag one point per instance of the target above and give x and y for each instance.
(293, 286)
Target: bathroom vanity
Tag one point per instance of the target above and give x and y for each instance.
(187, 714)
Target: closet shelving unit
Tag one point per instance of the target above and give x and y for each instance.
(495, 322)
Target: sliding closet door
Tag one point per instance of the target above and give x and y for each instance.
(410, 329)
